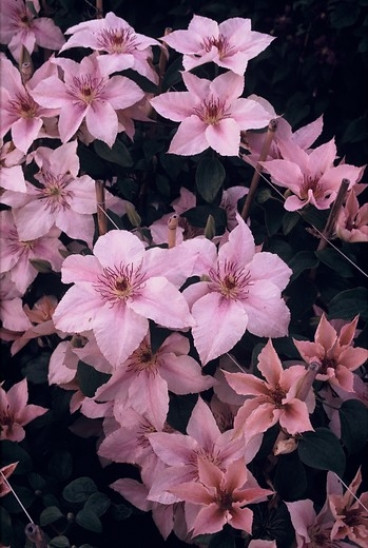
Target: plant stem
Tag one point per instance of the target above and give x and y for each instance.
(331, 221)
(172, 225)
(99, 9)
(25, 65)
(272, 126)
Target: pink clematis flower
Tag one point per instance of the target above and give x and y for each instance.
(352, 220)
(124, 48)
(16, 254)
(19, 27)
(335, 353)
(181, 453)
(243, 292)
(211, 114)
(221, 498)
(20, 113)
(61, 199)
(230, 44)
(310, 176)
(15, 412)
(144, 380)
(272, 400)
(114, 294)
(312, 530)
(350, 514)
(12, 314)
(87, 93)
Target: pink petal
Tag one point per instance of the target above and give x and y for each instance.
(117, 247)
(173, 449)
(172, 311)
(202, 425)
(228, 86)
(134, 492)
(325, 334)
(269, 266)
(246, 384)
(183, 375)
(25, 131)
(241, 518)
(295, 417)
(70, 119)
(102, 121)
(224, 137)
(174, 105)
(240, 246)
(267, 312)
(213, 313)
(190, 137)
(269, 364)
(184, 41)
(77, 310)
(209, 520)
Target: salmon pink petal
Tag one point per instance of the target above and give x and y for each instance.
(209, 520)
(285, 174)
(192, 492)
(150, 393)
(202, 425)
(241, 518)
(325, 334)
(269, 364)
(295, 417)
(17, 395)
(236, 475)
(246, 384)
(190, 138)
(347, 332)
(118, 343)
(209, 474)
(352, 358)
(213, 313)
(224, 137)
(342, 377)
(171, 312)
(254, 418)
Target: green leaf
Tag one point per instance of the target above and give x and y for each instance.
(50, 515)
(11, 451)
(322, 450)
(79, 490)
(210, 175)
(42, 266)
(197, 216)
(36, 369)
(90, 379)
(290, 477)
(223, 539)
(289, 221)
(5, 526)
(59, 542)
(303, 260)
(120, 512)
(98, 503)
(336, 262)
(347, 304)
(273, 216)
(24, 494)
(61, 465)
(89, 520)
(354, 425)
(118, 154)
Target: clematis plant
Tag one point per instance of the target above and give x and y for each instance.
(212, 114)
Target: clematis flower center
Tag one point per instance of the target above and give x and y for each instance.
(212, 110)
(327, 363)
(24, 106)
(320, 538)
(229, 280)
(311, 183)
(277, 395)
(224, 499)
(117, 40)
(221, 43)
(87, 88)
(119, 283)
(143, 360)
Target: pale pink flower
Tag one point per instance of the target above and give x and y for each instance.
(221, 497)
(115, 291)
(6, 471)
(352, 220)
(144, 380)
(334, 353)
(125, 48)
(230, 44)
(61, 198)
(350, 514)
(16, 254)
(15, 412)
(212, 114)
(19, 27)
(243, 292)
(11, 173)
(87, 93)
(274, 400)
(311, 176)
(20, 113)
(182, 453)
